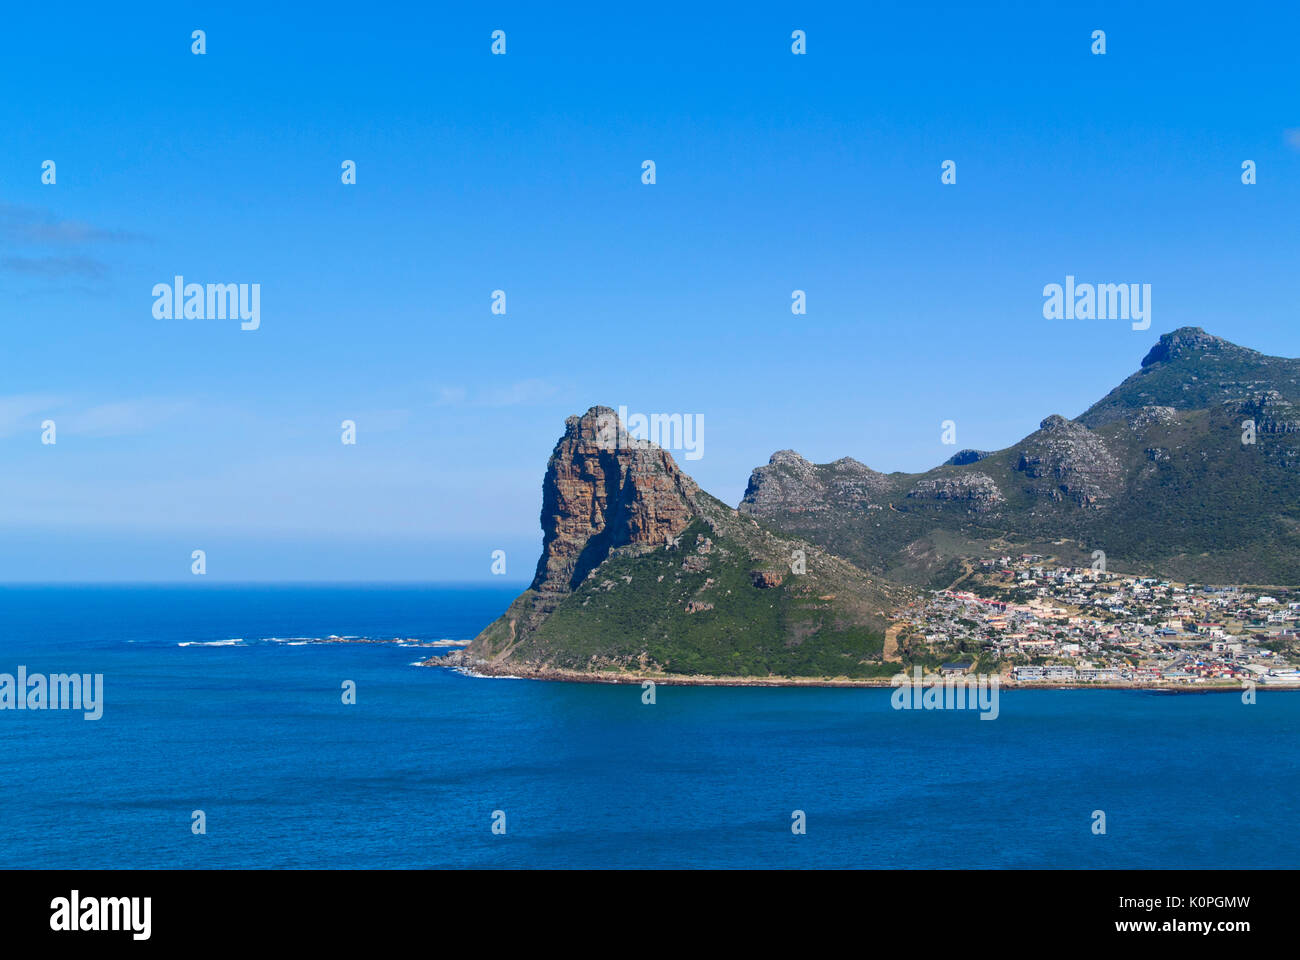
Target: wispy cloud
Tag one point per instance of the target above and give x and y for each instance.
(1293, 137)
(24, 412)
(55, 267)
(33, 226)
(49, 248)
(122, 418)
(451, 396)
(522, 393)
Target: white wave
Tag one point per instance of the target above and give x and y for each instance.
(466, 671)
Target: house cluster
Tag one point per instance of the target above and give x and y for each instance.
(1034, 621)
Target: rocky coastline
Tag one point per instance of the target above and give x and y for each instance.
(463, 662)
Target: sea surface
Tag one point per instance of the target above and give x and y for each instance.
(256, 735)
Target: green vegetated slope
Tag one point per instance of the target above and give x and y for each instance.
(722, 600)
(635, 612)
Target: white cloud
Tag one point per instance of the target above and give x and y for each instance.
(121, 418)
(24, 412)
(522, 393)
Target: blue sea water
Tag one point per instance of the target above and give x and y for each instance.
(257, 736)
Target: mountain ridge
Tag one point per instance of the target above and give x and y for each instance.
(1172, 427)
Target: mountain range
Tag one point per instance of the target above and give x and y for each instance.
(1189, 469)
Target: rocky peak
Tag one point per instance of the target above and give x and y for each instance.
(964, 458)
(791, 484)
(1184, 341)
(1055, 423)
(976, 490)
(1190, 369)
(789, 457)
(1066, 460)
(605, 490)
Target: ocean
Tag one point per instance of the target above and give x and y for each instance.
(256, 735)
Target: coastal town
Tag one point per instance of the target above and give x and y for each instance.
(1032, 621)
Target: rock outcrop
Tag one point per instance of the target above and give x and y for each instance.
(1190, 340)
(964, 458)
(791, 484)
(976, 489)
(1065, 459)
(604, 490)
(1271, 412)
(1152, 415)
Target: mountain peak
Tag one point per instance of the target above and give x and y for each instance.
(602, 491)
(590, 424)
(786, 456)
(1190, 369)
(1185, 340)
(964, 457)
(1054, 422)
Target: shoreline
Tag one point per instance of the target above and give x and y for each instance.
(483, 670)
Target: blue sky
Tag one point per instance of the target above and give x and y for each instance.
(523, 172)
